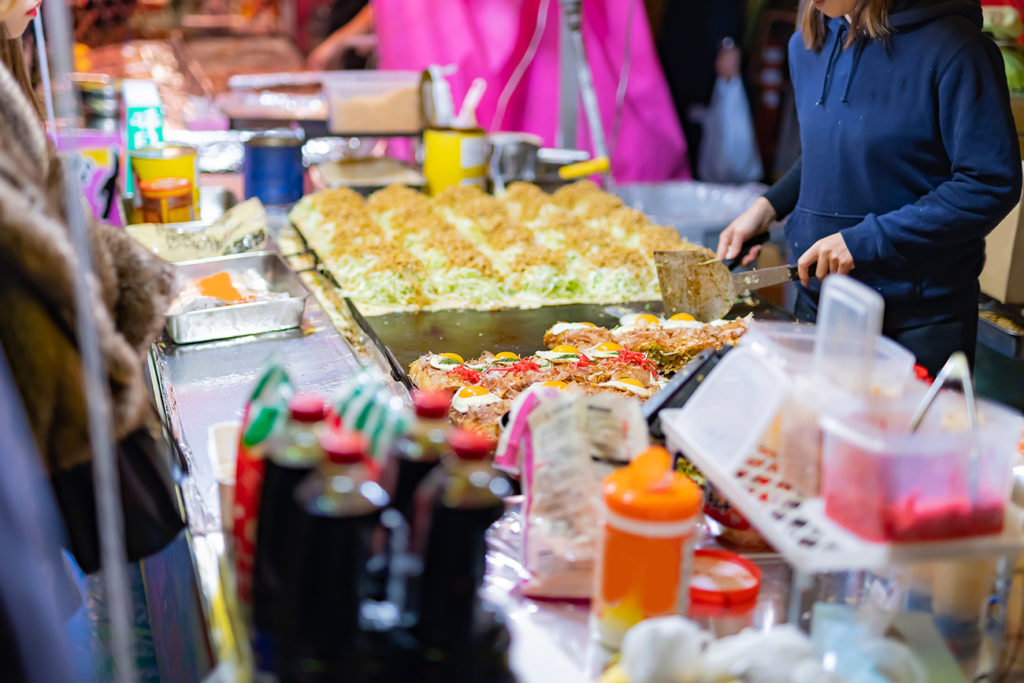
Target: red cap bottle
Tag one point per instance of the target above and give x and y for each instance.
(307, 408)
(470, 445)
(343, 447)
(431, 405)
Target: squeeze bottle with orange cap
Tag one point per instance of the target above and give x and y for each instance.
(645, 552)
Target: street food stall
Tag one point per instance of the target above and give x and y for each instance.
(443, 409)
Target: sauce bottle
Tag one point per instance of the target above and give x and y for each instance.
(340, 505)
(467, 499)
(420, 451)
(645, 554)
(291, 457)
(409, 462)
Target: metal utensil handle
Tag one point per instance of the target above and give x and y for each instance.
(956, 370)
(397, 371)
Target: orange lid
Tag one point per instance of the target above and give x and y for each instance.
(158, 188)
(648, 489)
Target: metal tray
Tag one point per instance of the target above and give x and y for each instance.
(241, 319)
(1000, 340)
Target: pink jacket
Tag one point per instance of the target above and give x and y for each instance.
(489, 38)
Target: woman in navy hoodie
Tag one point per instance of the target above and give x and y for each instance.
(910, 157)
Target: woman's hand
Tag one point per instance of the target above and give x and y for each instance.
(831, 255)
(751, 223)
(321, 58)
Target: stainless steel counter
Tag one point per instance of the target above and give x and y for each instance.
(201, 385)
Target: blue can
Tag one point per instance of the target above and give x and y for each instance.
(273, 169)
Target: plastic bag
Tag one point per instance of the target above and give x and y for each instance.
(266, 412)
(553, 439)
(728, 150)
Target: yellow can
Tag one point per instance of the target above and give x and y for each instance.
(454, 156)
(166, 160)
(166, 200)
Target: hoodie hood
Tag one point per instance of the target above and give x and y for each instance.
(909, 151)
(909, 13)
(906, 15)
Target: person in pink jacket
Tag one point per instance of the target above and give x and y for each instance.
(514, 46)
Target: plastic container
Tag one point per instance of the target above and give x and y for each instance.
(847, 334)
(167, 200)
(379, 102)
(792, 346)
(843, 355)
(723, 578)
(885, 484)
(645, 551)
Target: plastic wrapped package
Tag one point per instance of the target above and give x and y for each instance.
(265, 414)
(664, 649)
(677, 650)
(551, 440)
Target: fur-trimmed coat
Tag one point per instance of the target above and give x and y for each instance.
(131, 291)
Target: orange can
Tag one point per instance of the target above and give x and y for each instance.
(645, 555)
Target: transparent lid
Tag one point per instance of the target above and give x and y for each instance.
(849, 323)
(731, 409)
(791, 347)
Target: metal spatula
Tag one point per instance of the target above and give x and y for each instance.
(694, 281)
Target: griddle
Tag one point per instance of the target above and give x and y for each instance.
(469, 333)
(404, 337)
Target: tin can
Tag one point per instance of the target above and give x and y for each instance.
(273, 169)
(166, 200)
(165, 160)
(455, 156)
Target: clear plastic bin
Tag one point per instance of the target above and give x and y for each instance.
(885, 484)
(792, 345)
(798, 439)
(373, 102)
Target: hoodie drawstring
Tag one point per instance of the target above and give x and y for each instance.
(857, 51)
(831, 64)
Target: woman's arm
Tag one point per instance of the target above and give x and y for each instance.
(785, 193)
(334, 44)
(981, 141)
(778, 202)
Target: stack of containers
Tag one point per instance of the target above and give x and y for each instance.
(842, 358)
(842, 431)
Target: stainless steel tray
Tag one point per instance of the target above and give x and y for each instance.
(1000, 340)
(241, 319)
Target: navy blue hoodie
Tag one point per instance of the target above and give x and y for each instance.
(910, 151)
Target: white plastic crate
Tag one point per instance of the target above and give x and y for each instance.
(719, 431)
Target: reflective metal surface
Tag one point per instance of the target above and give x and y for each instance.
(241, 319)
(201, 385)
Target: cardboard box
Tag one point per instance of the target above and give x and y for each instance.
(1003, 276)
(1017, 107)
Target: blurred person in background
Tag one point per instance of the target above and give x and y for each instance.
(699, 42)
(345, 21)
(910, 158)
(514, 46)
(38, 324)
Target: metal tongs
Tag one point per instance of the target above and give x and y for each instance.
(956, 370)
